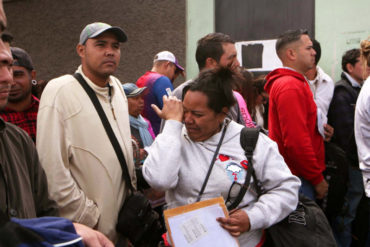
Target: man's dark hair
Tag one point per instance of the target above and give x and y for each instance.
(350, 57)
(216, 84)
(316, 46)
(6, 37)
(288, 37)
(211, 46)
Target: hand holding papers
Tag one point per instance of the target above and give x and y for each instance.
(195, 225)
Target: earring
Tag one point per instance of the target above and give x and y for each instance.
(34, 82)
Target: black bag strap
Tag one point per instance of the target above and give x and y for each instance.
(248, 140)
(213, 161)
(108, 129)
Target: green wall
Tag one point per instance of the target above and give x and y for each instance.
(340, 25)
(199, 21)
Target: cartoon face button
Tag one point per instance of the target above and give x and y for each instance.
(235, 172)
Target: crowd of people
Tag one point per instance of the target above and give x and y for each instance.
(184, 142)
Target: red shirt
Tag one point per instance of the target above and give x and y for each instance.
(292, 124)
(25, 119)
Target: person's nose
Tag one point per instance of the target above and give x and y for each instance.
(236, 63)
(109, 51)
(313, 52)
(188, 118)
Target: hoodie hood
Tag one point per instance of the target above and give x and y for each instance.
(278, 73)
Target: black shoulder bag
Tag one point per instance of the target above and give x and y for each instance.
(136, 220)
(306, 226)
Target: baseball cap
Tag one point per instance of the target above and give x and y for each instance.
(21, 58)
(168, 56)
(131, 90)
(95, 29)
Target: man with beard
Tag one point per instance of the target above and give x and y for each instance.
(22, 106)
(218, 50)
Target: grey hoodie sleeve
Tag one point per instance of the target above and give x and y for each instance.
(280, 187)
(161, 167)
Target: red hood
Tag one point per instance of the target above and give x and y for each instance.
(277, 73)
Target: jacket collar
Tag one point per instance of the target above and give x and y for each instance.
(350, 79)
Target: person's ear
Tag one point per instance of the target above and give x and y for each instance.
(210, 63)
(33, 74)
(291, 54)
(223, 114)
(80, 50)
(349, 68)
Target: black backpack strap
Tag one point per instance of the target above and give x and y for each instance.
(108, 129)
(248, 141)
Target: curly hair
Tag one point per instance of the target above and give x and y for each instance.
(365, 50)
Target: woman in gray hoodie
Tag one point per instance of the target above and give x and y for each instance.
(179, 159)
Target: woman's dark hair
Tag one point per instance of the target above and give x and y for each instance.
(217, 85)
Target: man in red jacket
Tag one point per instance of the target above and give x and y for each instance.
(293, 115)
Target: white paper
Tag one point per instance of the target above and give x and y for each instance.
(270, 60)
(200, 228)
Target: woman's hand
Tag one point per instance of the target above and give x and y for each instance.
(237, 223)
(172, 109)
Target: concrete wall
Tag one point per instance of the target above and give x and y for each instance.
(49, 31)
(340, 26)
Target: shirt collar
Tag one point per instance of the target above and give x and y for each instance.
(318, 77)
(99, 90)
(353, 82)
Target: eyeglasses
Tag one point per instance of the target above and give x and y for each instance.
(233, 193)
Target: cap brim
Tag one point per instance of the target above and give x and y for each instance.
(179, 67)
(136, 92)
(121, 35)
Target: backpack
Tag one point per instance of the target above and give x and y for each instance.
(306, 226)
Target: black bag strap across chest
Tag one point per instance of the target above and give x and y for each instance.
(108, 129)
(248, 141)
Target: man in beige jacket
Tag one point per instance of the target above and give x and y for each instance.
(83, 171)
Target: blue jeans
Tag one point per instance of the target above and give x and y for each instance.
(342, 225)
(307, 189)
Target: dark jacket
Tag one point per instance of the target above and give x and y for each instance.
(23, 184)
(341, 116)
